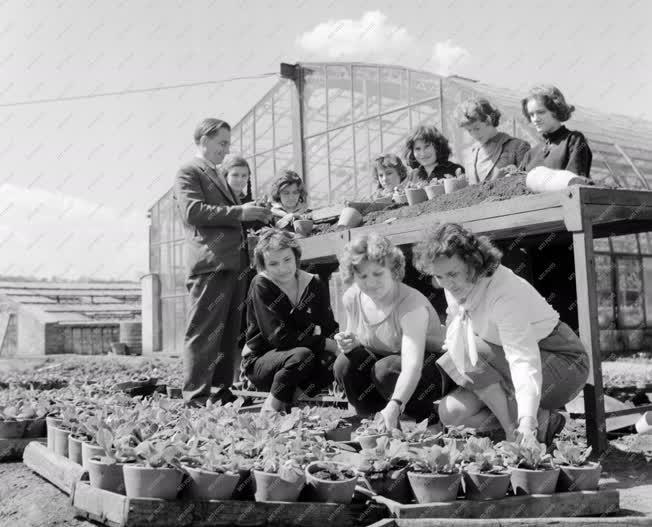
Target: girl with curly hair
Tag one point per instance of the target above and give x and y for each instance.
(562, 149)
(393, 336)
(290, 324)
(427, 152)
(515, 363)
(388, 172)
(494, 154)
(289, 199)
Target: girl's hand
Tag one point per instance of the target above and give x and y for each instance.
(391, 414)
(346, 341)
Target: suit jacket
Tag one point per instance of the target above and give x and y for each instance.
(211, 217)
(509, 151)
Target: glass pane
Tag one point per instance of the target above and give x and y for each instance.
(630, 292)
(600, 173)
(165, 217)
(247, 148)
(423, 86)
(605, 291)
(264, 126)
(155, 225)
(393, 88)
(166, 273)
(179, 268)
(176, 221)
(285, 159)
(168, 324)
(625, 244)
(428, 113)
(647, 280)
(525, 130)
(645, 239)
(314, 100)
(283, 114)
(367, 147)
(236, 142)
(265, 174)
(179, 323)
(609, 154)
(317, 178)
(339, 95)
(154, 259)
(343, 181)
(395, 127)
(366, 98)
(601, 244)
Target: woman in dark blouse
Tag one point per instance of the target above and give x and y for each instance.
(563, 149)
(427, 152)
(290, 324)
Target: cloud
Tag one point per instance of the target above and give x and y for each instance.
(370, 38)
(373, 38)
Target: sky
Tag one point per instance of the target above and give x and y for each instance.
(77, 177)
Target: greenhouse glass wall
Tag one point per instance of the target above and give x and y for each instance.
(328, 121)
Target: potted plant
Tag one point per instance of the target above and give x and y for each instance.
(531, 468)
(303, 224)
(399, 196)
(370, 431)
(415, 193)
(434, 188)
(484, 471)
(576, 471)
(435, 473)
(212, 470)
(157, 472)
(331, 481)
(418, 435)
(105, 471)
(22, 419)
(279, 472)
(384, 468)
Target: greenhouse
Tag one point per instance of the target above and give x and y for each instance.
(328, 121)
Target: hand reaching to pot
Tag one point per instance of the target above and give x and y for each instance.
(391, 413)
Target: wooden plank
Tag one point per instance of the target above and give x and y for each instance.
(618, 521)
(629, 411)
(601, 214)
(12, 449)
(329, 245)
(587, 314)
(58, 470)
(584, 503)
(606, 196)
(119, 511)
(100, 505)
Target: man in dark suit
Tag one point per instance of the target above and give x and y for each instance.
(216, 260)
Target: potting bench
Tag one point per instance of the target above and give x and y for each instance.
(581, 212)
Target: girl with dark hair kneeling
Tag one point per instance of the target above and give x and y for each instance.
(393, 338)
(514, 361)
(290, 325)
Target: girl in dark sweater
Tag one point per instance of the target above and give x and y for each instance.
(562, 149)
(290, 324)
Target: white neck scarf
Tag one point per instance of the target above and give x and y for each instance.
(460, 342)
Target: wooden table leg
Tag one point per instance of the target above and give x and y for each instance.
(587, 311)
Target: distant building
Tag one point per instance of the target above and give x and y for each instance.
(44, 318)
(328, 121)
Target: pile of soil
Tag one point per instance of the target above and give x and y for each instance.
(498, 190)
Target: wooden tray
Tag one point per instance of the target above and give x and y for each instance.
(58, 470)
(116, 510)
(12, 449)
(560, 504)
(616, 521)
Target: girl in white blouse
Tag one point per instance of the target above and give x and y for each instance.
(515, 362)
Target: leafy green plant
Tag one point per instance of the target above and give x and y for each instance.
(417, 433)
(388, 454)
(569, 453)
(375, 426)
(526, 452)
(159, 454)
(480, 455)
(286, 458)
(436, 459)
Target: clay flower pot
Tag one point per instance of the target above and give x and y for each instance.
(350, 217)
(572, 479)
(450, 185)
(12, 429)
(50, 423)
(486, 486)
(303, 227)
(75, 449)
(434, 190)
(207, 485)
(270, 487)
(88, 451)
(106, 476)
(415, 195)
(148, 482)
(525, 481)
(35, 428)
(244, 489)
(328, 491)
(60, 441)
(432, 488)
